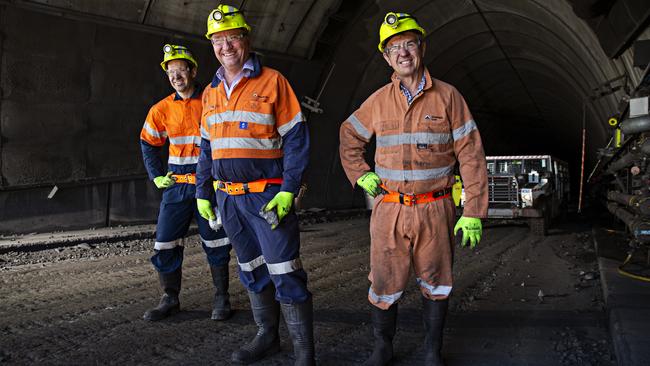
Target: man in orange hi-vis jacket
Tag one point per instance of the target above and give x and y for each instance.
(176, 119)
(254, 151)
(423, 129)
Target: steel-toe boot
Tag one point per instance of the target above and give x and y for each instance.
(169, 303)
(433, 314)
(300, 323)
(384, 324)
(221, 304)
(266, 312)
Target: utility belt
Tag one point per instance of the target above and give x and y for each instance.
(235, 189)
(412, 199)
(189, 178)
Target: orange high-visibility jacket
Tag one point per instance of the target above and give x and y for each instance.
(419, 144)
(260, 132)
(177, 120)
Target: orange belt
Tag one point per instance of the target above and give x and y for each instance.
(189, 178)
(235, 189)
(412, 199)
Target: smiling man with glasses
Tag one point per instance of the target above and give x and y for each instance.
(254, 151)
(424, 128)
(176, 119)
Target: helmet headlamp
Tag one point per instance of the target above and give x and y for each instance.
(176, 52)
(391, 19)
(219, 15)
(225, 17)
(395, 23)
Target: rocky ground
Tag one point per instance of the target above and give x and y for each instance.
(517, 300)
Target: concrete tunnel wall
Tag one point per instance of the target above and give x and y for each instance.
(74, 97)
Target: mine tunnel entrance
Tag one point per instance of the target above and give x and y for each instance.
(558, 89)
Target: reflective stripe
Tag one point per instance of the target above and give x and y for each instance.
(282, 130)
(236, 116)
(388, 299)
(245, 143)
(509, 157)
(162, 245)
(434, 290)
(184, 140)
(359, 127)
(413, 138)
(465, 129)
(178, 160)
(250, 266)
(205, 134)
(153, 132)
(284, 267)
(422, 174)
(216, 243)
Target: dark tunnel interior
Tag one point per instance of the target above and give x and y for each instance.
(77, 79)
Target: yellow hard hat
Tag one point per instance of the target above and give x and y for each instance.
(174, 52)
(395, 23)
(225, 17)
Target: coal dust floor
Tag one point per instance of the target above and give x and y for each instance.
(517, 300)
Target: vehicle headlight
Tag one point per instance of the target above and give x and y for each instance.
(526, 197)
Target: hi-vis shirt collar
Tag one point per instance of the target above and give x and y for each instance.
(247, 69)
(195, 95)
(428, 83)
(255, 72)
(407, 93)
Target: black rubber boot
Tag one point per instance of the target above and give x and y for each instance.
(384, 324)
(221, 304)
(266, 312)
(433, 314)
(169, 304)
(300, 323)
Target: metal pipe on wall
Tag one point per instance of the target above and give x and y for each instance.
(639, 203)
(636, 152)
(622, 163)
(636, 125)
(620, 212)
(639, 228)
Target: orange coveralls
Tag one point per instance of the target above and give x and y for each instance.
(418, 146)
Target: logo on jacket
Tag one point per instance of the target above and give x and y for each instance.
(243, 125)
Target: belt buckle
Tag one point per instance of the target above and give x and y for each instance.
(412, 200)
(407, 199)
(221, 184)
(228, 187)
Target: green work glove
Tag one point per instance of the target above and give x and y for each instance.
(205, 209)
(283, 201)
(370, 183)
(163, 182)
(472, 230)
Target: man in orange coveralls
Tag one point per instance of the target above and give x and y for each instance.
(423, 129)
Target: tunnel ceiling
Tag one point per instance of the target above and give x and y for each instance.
(525, 67)
(282, 26)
